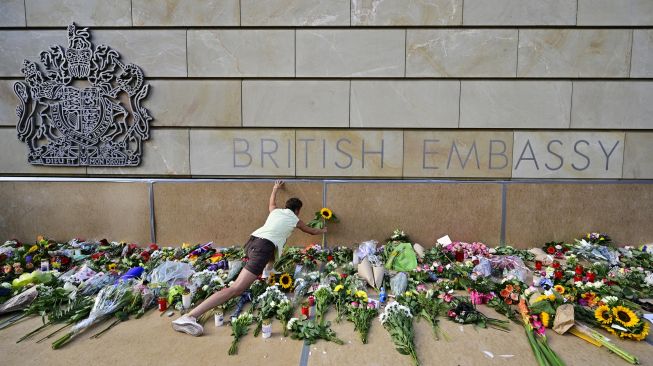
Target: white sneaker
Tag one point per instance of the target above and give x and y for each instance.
(188, 325)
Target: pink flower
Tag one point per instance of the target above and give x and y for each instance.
(370, 305)
(447, 297)
(421, 287)
(354, 304)
(451, 314)
(440, 269)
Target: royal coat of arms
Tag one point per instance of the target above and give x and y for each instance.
(82, 107)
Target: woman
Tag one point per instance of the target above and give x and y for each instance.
(260, 250)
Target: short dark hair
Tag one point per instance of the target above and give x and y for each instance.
(294, 204)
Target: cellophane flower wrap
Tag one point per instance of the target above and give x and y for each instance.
(398, 321)
(109, 300)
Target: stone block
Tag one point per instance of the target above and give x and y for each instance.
(555, 154)
(186, 13)
(295, 103)
(515, 104)
(405, 103)
(642, 63)
(85, 13)
(457, 154)
(165, 153)
(13, 13)
(349, 153)
(350, 53)
(520, 12)
(195, 103)
(615, 12)
(612, 105)
(574, 53)
(637, 156)
(296, 13)
(245, 152)
(401, 12)
(461, 52)
(8, 103)
(241, 53)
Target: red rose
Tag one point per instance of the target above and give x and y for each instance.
(550, 250)
(132, 247)
(343, 275)
(65, 260)
(558, 275)
(145, 256)
(329, 258)
(578, 278)
(96, 256)
(555, 264)
(154, 247)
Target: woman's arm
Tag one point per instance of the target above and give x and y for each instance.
(309, 230)
(273, 197)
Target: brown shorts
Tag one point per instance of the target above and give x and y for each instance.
(259, 252)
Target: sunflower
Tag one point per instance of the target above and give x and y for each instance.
(625, 316)
(272, 279)
(559, 288)
(326, 213)
(112, 267)
(545, 317)
(610, 330)
(285, 281)
(640, 336)
(603, 315)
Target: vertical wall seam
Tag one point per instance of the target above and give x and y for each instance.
(349, 112)
(462, 13)
(242, 116)
(190, 167)
(131, 11)
(571, 103)
(517, 59)
(577, 1)
(405, 50)
(623, 156)
(25, 11)
(460, 100)
(187, 74)
(240, 13)
(350, 12)
(152, 220)
(295, 61)
(502, 238)
(630, 64)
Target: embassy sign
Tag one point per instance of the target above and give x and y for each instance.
(408, 153)
(82, 106)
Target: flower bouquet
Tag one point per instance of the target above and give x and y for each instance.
(535, 332)
(109, 300)
(268, 304)
(311, 331)
(431, 307)
(619, 319)
(464, 312)
(323, 297)
(398, 321)
(239, 329)
(362, 314)
(285, 311)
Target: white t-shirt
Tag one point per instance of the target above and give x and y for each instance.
(278, 227)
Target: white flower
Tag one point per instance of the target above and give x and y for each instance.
(578, 284)
(291, 322)
(272, 303)
(558, 246)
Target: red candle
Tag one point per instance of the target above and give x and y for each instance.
(305, 311)
(460, 256)
(311, 300)
(538, 265)
(591, 277)
(163, 304)
(579, 270)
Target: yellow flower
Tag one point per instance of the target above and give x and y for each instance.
(551, 297)
(641, 336)
(326, 213)
(272, 280)
(285, 281)
(603, 315)
(625, 316)
(112, 267)
(361, 294)
(185, 246)
(408, 293)
(540, 298)
(545, 317)
(338, 288)
(33, 249)
(559, 288)
(610, 330)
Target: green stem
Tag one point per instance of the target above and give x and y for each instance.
(35, 331)
(53, 333)
(97, 335)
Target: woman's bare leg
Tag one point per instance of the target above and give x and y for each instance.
(244, 280)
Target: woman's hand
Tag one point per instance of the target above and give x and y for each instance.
(278, 184)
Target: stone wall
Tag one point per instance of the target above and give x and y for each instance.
(498, 90)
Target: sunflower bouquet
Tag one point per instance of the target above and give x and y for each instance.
(621, 320)
(321, 217)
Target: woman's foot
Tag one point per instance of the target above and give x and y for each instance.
(189, 325)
